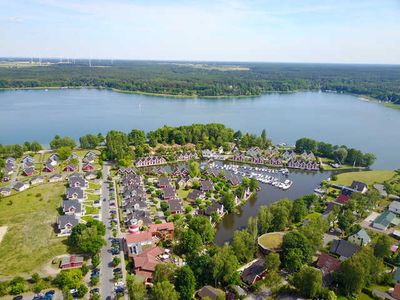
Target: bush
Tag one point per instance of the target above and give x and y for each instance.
(85, 269)
(95, 261)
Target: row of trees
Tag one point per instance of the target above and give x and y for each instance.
(380, 82)
(341, 154)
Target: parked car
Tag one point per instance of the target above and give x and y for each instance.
(117, 270)
(18, 297)
(95, 291)
(114, 251)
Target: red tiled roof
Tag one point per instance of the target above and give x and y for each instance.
(396, 291)
(138, 237)
(162, 226)
(328, 263)
(147, 260)
(343, 198)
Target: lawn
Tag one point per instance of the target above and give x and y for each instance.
(92, 197)
(94, 186)
(271, 240)
(30, 241)
(368, 177)
(182, 194)
(90, 210)
(327, 167)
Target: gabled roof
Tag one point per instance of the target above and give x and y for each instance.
(363, 235)
(68, 204)
(343, 248)
(147, 260)
(143, 236)
(18, 185)
(163, 181)
(328, 263)
(358, 186)
(210, 292)
(175, 205)
(394, 205)
(342, 198)
(67, 219)
(168, 192)
(250, 273)
(74, 190)
(193, 195)
(213, 207)
(385, 219)
(206, 185)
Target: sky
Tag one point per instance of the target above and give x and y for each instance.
(322, 31)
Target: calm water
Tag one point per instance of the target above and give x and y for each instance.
(303, 183)
(340, 119)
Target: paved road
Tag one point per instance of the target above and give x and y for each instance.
(106, 270)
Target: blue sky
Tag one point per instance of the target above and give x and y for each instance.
(337, 31)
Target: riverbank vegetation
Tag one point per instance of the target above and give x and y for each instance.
(210, 80)
(340, 154)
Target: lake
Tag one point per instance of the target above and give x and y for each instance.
(335, 118)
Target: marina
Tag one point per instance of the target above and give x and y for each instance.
(274, 177)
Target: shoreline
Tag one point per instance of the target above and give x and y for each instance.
(364, 98)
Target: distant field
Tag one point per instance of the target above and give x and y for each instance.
(30, 241)
(368, 177)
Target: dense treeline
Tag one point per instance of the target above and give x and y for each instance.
(341, 154)
(213, 79)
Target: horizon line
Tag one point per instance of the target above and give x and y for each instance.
(193, 61)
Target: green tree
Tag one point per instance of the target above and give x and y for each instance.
(224, 264)
(308, 281)
(117, 145)
(228, 199)
(264, 218)
(58, 142)
(82, 290)
(164, 272)
(202, 226)
(17, 286)
(194, 169)
(136, 290)
(297, 250)
(88, 237)
(280, 212)
(64, 152)
(382, 246)
(253, 184)
(346, 220)
(185, 283)
(272, 262)
(190, 243)
(164, 291)
(35, 146)
(137, 137)
(299, 210)
(243, 245)
(340, 154)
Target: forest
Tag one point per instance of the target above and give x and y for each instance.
(381, 82)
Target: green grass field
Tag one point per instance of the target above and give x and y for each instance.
(30, 241)
(271, 240)
(368, 177)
